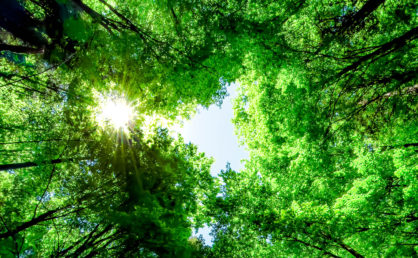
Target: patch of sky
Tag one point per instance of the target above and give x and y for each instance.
(212, 131)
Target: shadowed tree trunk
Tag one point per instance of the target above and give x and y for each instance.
(21, 49)
(32, 164)
(45, 216)
(385, 49)
(16, 20)
(359, 17)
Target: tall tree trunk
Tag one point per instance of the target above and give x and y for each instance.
(43, 217)
(16, 20)
(21, 49)
(383, 50)
(32, 164)
(359, 17)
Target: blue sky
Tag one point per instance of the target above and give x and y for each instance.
(213, 132)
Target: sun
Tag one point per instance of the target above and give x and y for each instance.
(116, 112)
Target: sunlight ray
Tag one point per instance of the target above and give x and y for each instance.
(115, 111)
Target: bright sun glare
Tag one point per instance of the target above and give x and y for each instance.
(116, 112)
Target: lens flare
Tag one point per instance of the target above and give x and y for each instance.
(116, 112)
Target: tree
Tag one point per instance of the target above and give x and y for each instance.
(327, 109)
(136, 199)
(158, 64)
(320, 105)
(133, 196)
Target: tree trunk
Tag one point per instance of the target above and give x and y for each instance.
(32, 164)
(16, 20)
(32, 222)
(21, 49)
(360, 16)
(385, 49)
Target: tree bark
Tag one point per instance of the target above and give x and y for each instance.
(32, 164)
(385, 49)
(355, 20)
(314, 246)
(350, 250)
(21, 49)
(16, 20)
(32, 222)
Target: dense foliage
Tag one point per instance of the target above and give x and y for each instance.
(327, 109)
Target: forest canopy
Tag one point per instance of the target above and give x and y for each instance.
(327, 108)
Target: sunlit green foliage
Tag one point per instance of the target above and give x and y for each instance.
(327, 109)
(71, 188)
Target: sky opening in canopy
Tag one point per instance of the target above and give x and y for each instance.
(213, 132)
